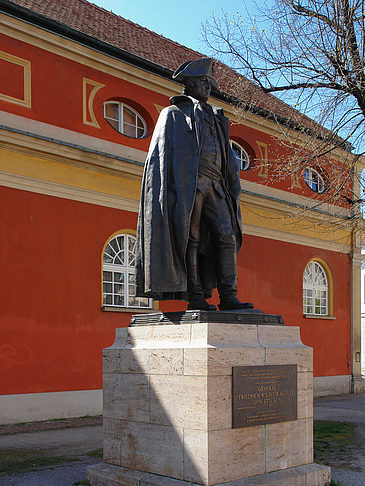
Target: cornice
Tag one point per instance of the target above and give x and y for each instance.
(255, 195)
(132, 205)
(291, 202)
(302, 240)
(78, 156)
(67, 192)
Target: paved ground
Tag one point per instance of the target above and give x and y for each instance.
(60, 450)
(347, 408)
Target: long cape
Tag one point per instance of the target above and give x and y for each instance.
(167, 199)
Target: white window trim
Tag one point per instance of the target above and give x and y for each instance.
(242, 156)
(313, 177)
(127, 269)
(313, 287)
(120, 119)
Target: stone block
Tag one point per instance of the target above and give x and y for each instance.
(111, 451)
(126, 397)
(121, 338)
(197, 402)
(111, 441)
(317, 475)
(277, 478)
(289, 444)
(154, 448)
(221, 334)
(273, 335)
(219, 361)
(168, 408)
(223, 455)
(159, 336)
(108, 475)
(236, 453)
(301, 356)
(152, 361)
(111, 360)
(305, 395)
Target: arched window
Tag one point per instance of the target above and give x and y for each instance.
(315, 290)
(241, 154)
(125, 119)
(119, 288)
(314, 180)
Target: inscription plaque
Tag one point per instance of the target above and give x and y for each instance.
(263, 395)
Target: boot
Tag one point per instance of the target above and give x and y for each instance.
(227, 280)
(200, 304)
(231, 303)
(195, 289)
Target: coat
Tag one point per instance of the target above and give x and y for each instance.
(167, 199)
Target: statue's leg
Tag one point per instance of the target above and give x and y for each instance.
(226, 268)
(195, 289)
(218, 215)
(227, 278)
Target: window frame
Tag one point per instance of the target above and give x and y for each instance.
(309, 304)
(245, 162)
(127, 268)
(314, 179)
(120, 120)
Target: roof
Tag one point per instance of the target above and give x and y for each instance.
(118, 32)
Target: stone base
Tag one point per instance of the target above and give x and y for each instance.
(308, 475)
(169, 397)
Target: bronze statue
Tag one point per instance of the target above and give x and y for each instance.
(189, 225)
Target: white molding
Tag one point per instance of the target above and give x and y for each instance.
(123, 203)
(297, 239)
(71, 137)
(68, 192)
(30, 407)
(282, 197)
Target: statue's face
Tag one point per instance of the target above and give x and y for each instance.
(201, 87)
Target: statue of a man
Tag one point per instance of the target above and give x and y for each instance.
(189, 225)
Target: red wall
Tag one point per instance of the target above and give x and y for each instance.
(271, 275)
(52, 327)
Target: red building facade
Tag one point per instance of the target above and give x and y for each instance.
(70, 182)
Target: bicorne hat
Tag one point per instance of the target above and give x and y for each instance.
(200, 67)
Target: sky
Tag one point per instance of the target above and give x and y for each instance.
(177, 20)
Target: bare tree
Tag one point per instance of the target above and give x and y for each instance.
(310, 53)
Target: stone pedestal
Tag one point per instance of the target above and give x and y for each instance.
(168, 407)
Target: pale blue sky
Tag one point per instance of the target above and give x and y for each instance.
(177, 20)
